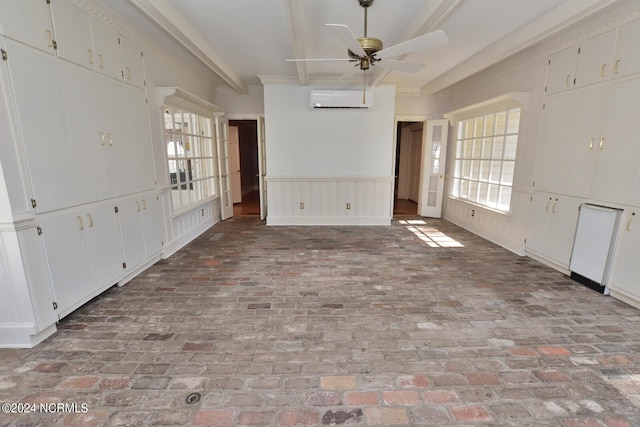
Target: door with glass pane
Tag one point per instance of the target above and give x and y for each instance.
(222, 142)
(434, 152)
(262, 168)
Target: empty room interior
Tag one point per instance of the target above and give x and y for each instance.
(320, 212)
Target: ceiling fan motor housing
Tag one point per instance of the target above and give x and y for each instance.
(370, 45)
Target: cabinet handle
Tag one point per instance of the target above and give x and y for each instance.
(566, 81)
(128, 73)
(110, 138)
(90, 220)
(50, 38)
(144, 205)
(615, 66)
(553, 209)
(138, 205)
(591, 144)
(90, 52)
(601, 143)
(547, 207)
(81, 223)
(101, 138)
(100, 61)
(602, 70)
(629, 222)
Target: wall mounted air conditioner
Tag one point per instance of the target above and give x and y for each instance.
(340, 98)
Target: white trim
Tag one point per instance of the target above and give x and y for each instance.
(503, 102)
(328, 220)
(23, 335)
(177, 244)
(332, 178)
(182, 98)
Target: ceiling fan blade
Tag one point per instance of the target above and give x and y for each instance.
(317, 59)
(435, 38)
(407, 67)
(345, 35)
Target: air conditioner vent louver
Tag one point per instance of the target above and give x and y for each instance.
(340, 98)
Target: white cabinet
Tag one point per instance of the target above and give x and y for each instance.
(617, 151)
(141, 228)
(626, 60)
(108, 60)
(562, 70)
(72, 29)
(132, 63)
(552, 227)
(135, 120)
(36, 31)
(38, 92)
(594, 59)
(570, 128)
(84, 252)
(626, 268)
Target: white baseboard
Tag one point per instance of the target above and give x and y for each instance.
(328, 220)
(13, 335)
(512, 245)
(177, 244)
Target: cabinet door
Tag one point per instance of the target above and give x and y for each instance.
(594, 60)
(618, 149)
(562, 70)
(104, 245)
(133, 242)
(626, 268)
(36, 31)
(36, 83)
(73, 33)
(108, 60)
(132, 63)
(88, 142)
(68, 259)
(539, 222)
(152, 223)
(626, 60)
(569, 135)
(135, 118)
(113, 128)
(564, 212)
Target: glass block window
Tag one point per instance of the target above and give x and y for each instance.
(191, 155)
(485, 157)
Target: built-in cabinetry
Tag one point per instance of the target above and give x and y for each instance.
(76, 91)
(588, 150)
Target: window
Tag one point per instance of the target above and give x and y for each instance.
(485, 156)
(191, 155)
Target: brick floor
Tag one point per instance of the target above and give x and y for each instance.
(299, 326)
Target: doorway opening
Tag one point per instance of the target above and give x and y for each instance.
(243, 166)
(407, 168)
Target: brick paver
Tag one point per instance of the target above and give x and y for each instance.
(302, 326)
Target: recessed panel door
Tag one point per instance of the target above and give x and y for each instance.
(262, 167)
(222, 143)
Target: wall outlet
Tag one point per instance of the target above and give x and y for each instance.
(301, 205)
(473, 212)
(348, 206)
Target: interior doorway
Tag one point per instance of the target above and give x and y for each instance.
(248, 200)
(409, 136)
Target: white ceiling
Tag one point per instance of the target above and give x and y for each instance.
(243, 39)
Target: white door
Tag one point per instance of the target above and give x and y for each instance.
(414, 161)
(36, 31)
(262, 168)
(72, 27)
(222, 144)
(434, 152)
(107, 49)
(234, 164)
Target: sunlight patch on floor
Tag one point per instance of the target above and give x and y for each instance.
(431, 236)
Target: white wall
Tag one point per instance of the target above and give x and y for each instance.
(327, 142)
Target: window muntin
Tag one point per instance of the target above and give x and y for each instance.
(191, 156)
(485, 157)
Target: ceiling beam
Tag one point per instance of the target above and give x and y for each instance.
(298, 35)
(163, 14)
(430, 18)
(566, 15)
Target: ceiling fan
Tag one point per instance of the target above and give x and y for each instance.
(368, 51)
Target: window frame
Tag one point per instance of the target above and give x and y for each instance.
(463, 117)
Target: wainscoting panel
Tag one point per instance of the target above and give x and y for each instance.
(295, 200)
